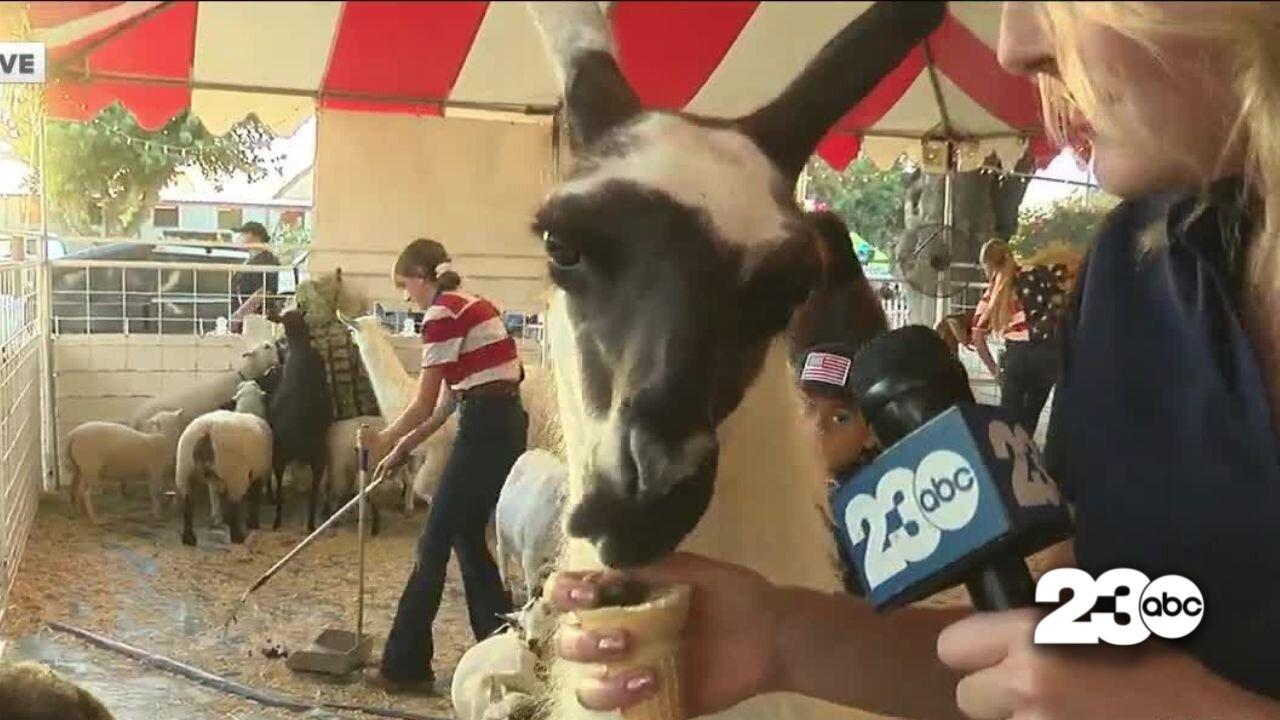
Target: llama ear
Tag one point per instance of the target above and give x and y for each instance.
(342, 318)
(843, 72)
(577, 39)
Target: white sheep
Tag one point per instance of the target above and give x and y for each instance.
(212, 392)
(96, 450)
(251, 398)
(231, 451)
(528, 515)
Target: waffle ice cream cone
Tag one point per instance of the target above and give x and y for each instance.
(655, 626)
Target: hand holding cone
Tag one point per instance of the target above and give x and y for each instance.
(655, 625)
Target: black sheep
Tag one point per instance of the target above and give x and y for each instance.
(300, 413)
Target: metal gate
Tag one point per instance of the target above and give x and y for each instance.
(22, 387)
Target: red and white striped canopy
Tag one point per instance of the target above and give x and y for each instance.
(279, 60)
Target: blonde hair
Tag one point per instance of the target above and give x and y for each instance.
(1001, 267)
(1250, 34)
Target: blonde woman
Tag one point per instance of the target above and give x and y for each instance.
(1163, 433)
(1022, 305)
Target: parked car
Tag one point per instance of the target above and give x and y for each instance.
(57, 248)
(155, 299)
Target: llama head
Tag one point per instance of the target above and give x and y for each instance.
(678, 255)
(367, 332)
(296, 331)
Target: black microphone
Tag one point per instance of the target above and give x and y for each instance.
(959, 495)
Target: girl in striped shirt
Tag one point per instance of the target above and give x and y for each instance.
(469, 361)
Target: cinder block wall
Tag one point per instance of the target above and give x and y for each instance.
(106, 377)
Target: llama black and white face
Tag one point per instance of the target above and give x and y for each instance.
(679, 256)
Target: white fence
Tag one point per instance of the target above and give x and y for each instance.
(22, 378)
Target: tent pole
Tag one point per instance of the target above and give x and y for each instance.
(948, 221)
(44, 316)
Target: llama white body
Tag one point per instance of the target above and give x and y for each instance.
(528, 516)
(394, 388)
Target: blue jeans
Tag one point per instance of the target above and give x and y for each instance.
(491, 435)
(1029, 372)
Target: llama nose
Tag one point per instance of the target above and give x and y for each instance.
(657, 466)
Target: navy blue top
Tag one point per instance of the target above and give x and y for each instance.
(1161, 432)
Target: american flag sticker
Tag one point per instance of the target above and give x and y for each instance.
(826, 368)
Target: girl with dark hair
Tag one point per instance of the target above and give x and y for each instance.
(469, 361)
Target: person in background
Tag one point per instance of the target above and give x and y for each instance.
(845, 441)
(1024, 306)
(255, 291)
(470, 359)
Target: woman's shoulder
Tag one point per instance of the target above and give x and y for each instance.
(455, 304)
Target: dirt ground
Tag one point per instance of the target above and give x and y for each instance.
(131, 579)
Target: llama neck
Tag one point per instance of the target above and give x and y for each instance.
(770, 484)
(392, 385)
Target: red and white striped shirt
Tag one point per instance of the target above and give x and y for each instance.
(465, 337)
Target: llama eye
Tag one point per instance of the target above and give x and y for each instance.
(562, 254)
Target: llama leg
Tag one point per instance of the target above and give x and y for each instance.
(502, 558)
(279, 473)
(317, 472)
(124, 488)
(188, 509)
(255, 504)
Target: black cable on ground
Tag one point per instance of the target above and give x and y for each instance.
(222, 684)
